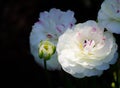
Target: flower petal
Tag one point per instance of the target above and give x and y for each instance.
(49, 27)
(86, 50)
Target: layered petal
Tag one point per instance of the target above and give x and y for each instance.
(109, 15)
(49, 27)
(86, 50)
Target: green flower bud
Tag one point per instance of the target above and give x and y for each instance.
(46, 49)
(113, 84)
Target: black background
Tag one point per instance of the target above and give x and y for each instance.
(17, 17)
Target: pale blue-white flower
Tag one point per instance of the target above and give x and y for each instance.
(109, 15)
(49, 27)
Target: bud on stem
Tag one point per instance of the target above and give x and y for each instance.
(46, 49)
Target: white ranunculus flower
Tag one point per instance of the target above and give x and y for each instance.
(86, 50)
(109, 15)
(50, 26)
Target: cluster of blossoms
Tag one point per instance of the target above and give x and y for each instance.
(83, 49)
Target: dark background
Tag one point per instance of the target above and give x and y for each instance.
(17, 64)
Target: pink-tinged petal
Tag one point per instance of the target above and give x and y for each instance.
(49, 27)
(59, 29)
(94, 29)
(49, 35)
(86, 50)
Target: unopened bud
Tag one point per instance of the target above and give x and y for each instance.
(46, 49)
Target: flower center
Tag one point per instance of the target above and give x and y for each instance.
(88, 45)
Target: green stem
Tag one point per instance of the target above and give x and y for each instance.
(47, 75)
(117, 74)
(45, 65)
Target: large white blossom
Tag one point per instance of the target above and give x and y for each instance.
(86, 50)
(109, 15)
(49, 27)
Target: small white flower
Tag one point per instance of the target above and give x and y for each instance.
(49, 27)
(86, 50)
(109, 15)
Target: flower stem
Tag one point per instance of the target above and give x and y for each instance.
(47, 75)
(45, 66)
(117, 75)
